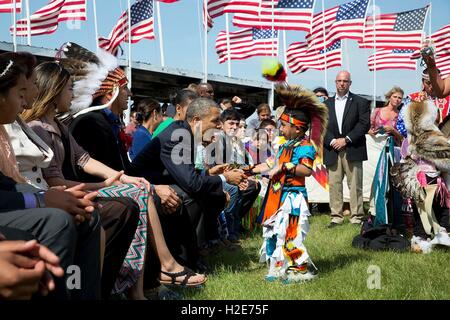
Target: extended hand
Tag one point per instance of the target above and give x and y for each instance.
(243, 185)
(275, 171)
(429, 59)
(235, 176)
(219, 169)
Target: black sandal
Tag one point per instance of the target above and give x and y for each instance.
(187, 273)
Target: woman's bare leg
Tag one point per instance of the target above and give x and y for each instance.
(157, 241)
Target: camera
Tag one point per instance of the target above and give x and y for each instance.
(427, 51)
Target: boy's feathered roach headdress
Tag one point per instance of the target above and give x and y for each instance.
(93, 76)
(310, 111)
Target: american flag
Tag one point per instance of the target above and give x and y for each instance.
(285, 15)
(300, 58)
(207, 20)
(8, 6)
(443, 64)
(46, 19)
(141, 26)
(342, 22)
(218, 7)
(392, 59)
(395, 31)
(441, 42)
(247, 43)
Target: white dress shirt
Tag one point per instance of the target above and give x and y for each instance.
(339, 108)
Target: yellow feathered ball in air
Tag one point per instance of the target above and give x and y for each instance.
(273, 70)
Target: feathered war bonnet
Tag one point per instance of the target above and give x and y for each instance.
(310, 112)
(93, 76)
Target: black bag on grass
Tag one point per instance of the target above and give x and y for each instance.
(380, 238)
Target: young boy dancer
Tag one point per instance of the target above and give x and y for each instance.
(285, 213)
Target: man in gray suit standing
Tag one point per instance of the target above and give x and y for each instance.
(345, 148)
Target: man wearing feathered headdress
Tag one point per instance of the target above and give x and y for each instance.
(100, 98)
(285, 210)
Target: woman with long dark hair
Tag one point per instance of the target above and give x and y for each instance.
(54, 96)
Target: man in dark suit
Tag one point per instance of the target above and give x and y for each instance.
(169, 159)
(345, 148)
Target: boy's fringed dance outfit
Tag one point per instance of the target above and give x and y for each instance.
(285, 213)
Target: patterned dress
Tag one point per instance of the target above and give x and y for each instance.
(285, 213)
(377, 120)
(133, 265)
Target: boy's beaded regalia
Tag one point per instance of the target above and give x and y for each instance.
(285, 210)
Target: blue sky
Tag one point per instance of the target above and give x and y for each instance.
(182, 42)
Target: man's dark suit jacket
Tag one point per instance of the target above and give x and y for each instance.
(355, 125)
(157, 163)
(10, 199)
(94, 133)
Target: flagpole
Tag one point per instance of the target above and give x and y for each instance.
(160, 32)
(272, 95)
(375, 54)
(94, 7)
(127, 114)
(347, 55)
(284, 50)
(324, 46)
(429, 28)
(129, 43)
(205, 76)
(15, 27)
(227, 26)
(27, 4)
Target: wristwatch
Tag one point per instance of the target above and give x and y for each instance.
(152, 190)
(347, 140)
(40, 198)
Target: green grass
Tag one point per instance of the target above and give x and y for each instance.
(343, 271)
